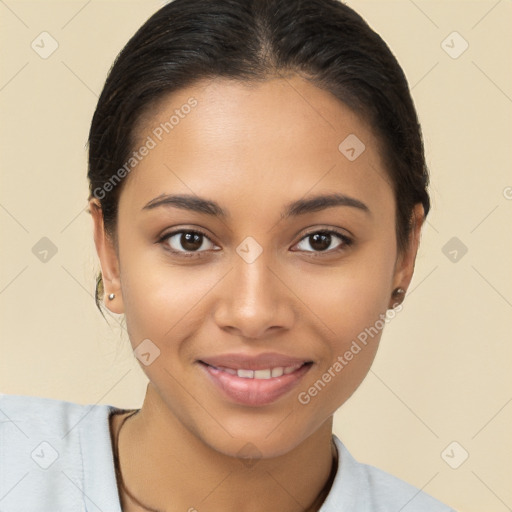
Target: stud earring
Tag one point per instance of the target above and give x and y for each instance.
(398, 291)
(399, 294)
(112, 296)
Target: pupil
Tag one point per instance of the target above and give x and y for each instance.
(191, 241)
(321, 241)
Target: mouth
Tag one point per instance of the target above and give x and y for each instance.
(255, 381)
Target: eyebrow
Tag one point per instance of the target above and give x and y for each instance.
(293, 209)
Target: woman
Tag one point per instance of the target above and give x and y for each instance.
(257, 188)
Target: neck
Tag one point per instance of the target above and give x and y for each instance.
(167, 468)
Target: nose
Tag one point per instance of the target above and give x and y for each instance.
(255, 300)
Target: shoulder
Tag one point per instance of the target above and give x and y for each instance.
(364, 488)
(47, 450)
(45, 414)
(27, 419)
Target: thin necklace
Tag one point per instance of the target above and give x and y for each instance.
(118, 468)
(314, 506)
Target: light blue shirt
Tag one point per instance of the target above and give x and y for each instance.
(56, 456)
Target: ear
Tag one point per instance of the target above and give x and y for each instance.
(404, 266)
(108, 260)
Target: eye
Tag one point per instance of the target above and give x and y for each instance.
(320, 241)
(191, 243)
(186, 242)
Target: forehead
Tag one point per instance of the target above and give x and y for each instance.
(278, 139)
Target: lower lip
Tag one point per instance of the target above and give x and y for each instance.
(254, 392)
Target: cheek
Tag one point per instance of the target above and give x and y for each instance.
(349, 298)
(351, 303)
(355, 317)
(161, 299)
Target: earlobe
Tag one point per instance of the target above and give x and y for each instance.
(112, 295)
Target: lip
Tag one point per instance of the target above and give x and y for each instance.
(253, 392)
(259, 362)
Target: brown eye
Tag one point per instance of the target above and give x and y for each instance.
(183, 242)
(321, 241)
(191, 241)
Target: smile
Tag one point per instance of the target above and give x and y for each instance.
(254, 381)
(267, 373)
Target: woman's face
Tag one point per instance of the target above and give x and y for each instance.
(256, 259)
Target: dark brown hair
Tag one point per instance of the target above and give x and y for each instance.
(324, 41)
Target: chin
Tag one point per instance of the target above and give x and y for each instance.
(261, 439)
(250, 449)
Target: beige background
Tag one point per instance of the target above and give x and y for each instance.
(442, 373)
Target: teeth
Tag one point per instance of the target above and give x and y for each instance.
(262, 374)
(246, 374)
(277, 372)
(290, 369)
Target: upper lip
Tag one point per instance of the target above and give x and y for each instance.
(249, 362)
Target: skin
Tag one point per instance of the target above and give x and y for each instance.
(253, 149)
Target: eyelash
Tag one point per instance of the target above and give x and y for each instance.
(346, 242)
